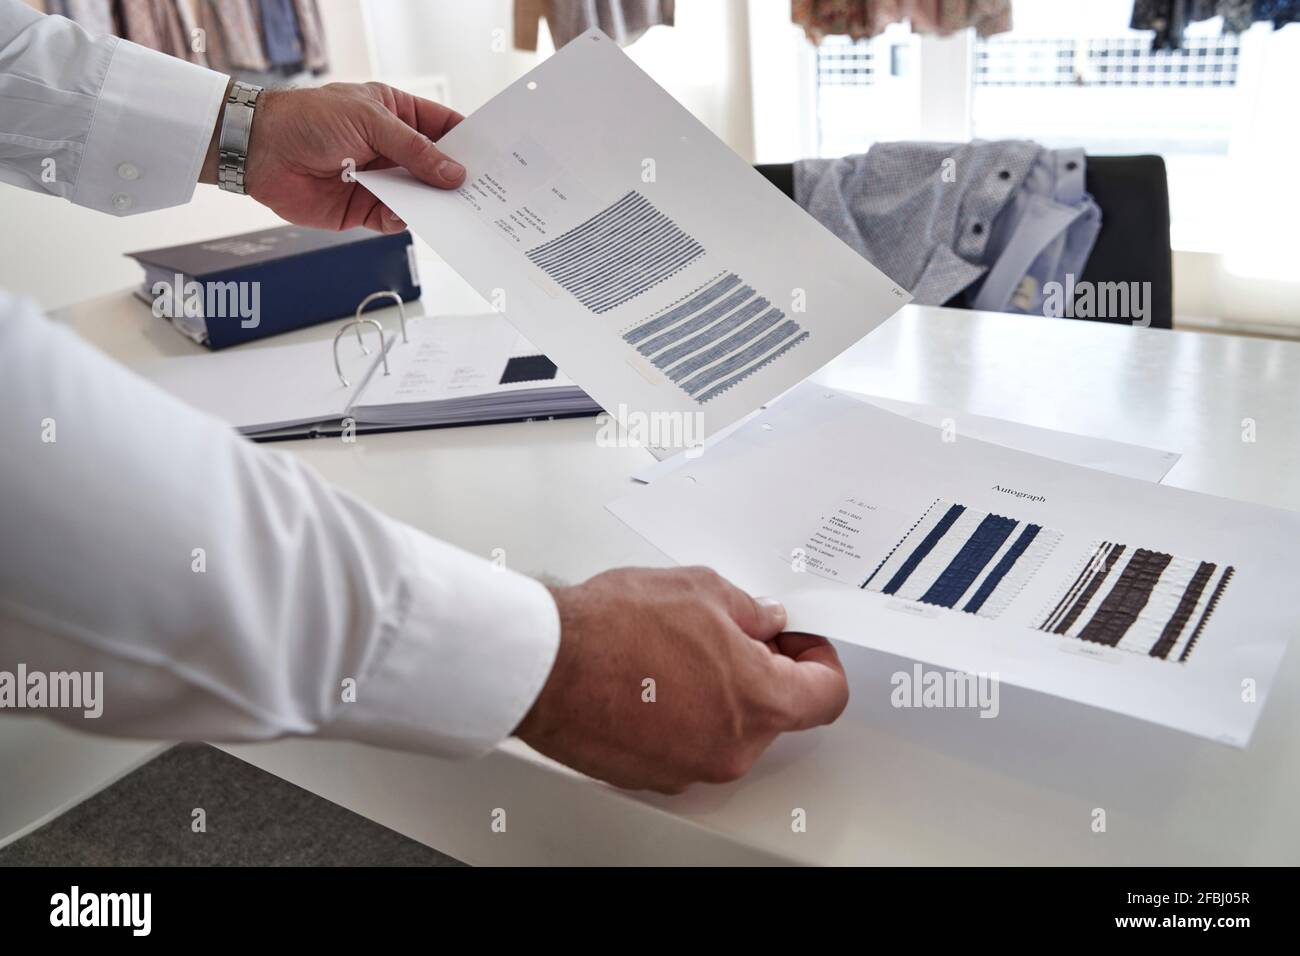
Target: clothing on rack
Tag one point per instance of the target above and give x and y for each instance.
(177, 43)
(237, 22)
(1277, 12)
(996, 220)
(623, 21)
(214, 44)
(245, 36)
(280, 33)
(862, 19)
(1168, 19)
(313, 35)
(189, 26)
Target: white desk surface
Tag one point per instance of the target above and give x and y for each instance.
(881, 785)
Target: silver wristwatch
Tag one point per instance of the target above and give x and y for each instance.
(236, 127)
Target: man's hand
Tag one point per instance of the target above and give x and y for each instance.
(304, 141)
(727, 681)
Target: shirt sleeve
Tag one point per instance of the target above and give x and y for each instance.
(223, 590)
(101, 121)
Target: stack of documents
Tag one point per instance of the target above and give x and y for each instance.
(674, 283)
(1143, 599)
(456, 370)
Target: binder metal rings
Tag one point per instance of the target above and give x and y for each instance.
(386, 294)
(357, 323)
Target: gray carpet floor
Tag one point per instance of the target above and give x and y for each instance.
(253, 818)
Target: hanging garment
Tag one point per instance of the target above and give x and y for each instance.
(96, 16)
(240, 39)
(280, 34)
(175, 40)
(1277, 12)
(155, 24)
(527, 15)
(314, 53)
(187, 10)
(139, 24)
(862, 19)
(1237, 15)
(857, 19)
(623, 21)
(214, 44)
(944, 218)
(1168, 19)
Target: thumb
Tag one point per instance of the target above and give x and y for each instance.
(811, 679)
(762, 618)
(412, 150)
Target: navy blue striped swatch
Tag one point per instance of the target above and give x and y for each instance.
(965, 559)
(617, 254)
(717, 337)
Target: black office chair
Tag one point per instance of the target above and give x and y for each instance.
(1133, 245)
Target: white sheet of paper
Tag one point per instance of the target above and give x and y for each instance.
(828, 503)
(446, 357)
(652, 264)
(267, 385)
(1116, 457)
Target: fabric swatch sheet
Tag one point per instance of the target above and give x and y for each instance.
(659, 270)
(1147, 600)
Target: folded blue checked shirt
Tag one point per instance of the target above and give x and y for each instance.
(996, 220)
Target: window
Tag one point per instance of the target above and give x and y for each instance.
(865, 91)
(1071, 80)
(1219, 109)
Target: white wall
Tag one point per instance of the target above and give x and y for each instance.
(703, 61)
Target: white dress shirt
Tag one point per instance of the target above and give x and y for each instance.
(224, 590)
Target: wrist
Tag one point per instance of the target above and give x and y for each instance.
(235, 144)
(208, 173)
(538, 723)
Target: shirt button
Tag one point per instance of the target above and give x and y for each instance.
(122, 202)
(128, 171)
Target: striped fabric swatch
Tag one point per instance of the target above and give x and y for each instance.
(1139, 600)
(961, 558)
(716, 337)
(617, 254)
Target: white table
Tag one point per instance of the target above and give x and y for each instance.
(881, 785)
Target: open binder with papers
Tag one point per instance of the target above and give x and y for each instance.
(431, 372)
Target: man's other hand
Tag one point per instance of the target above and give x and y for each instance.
(666, 677)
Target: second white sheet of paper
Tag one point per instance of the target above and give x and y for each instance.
(659, 270)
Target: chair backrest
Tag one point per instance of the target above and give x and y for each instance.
(1133, 245)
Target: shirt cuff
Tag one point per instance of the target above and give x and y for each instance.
(150, 132)
(473, 652)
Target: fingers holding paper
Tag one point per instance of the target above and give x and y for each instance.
(306, 146)
(668, 677)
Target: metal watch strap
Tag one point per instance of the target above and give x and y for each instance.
(236, 128)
